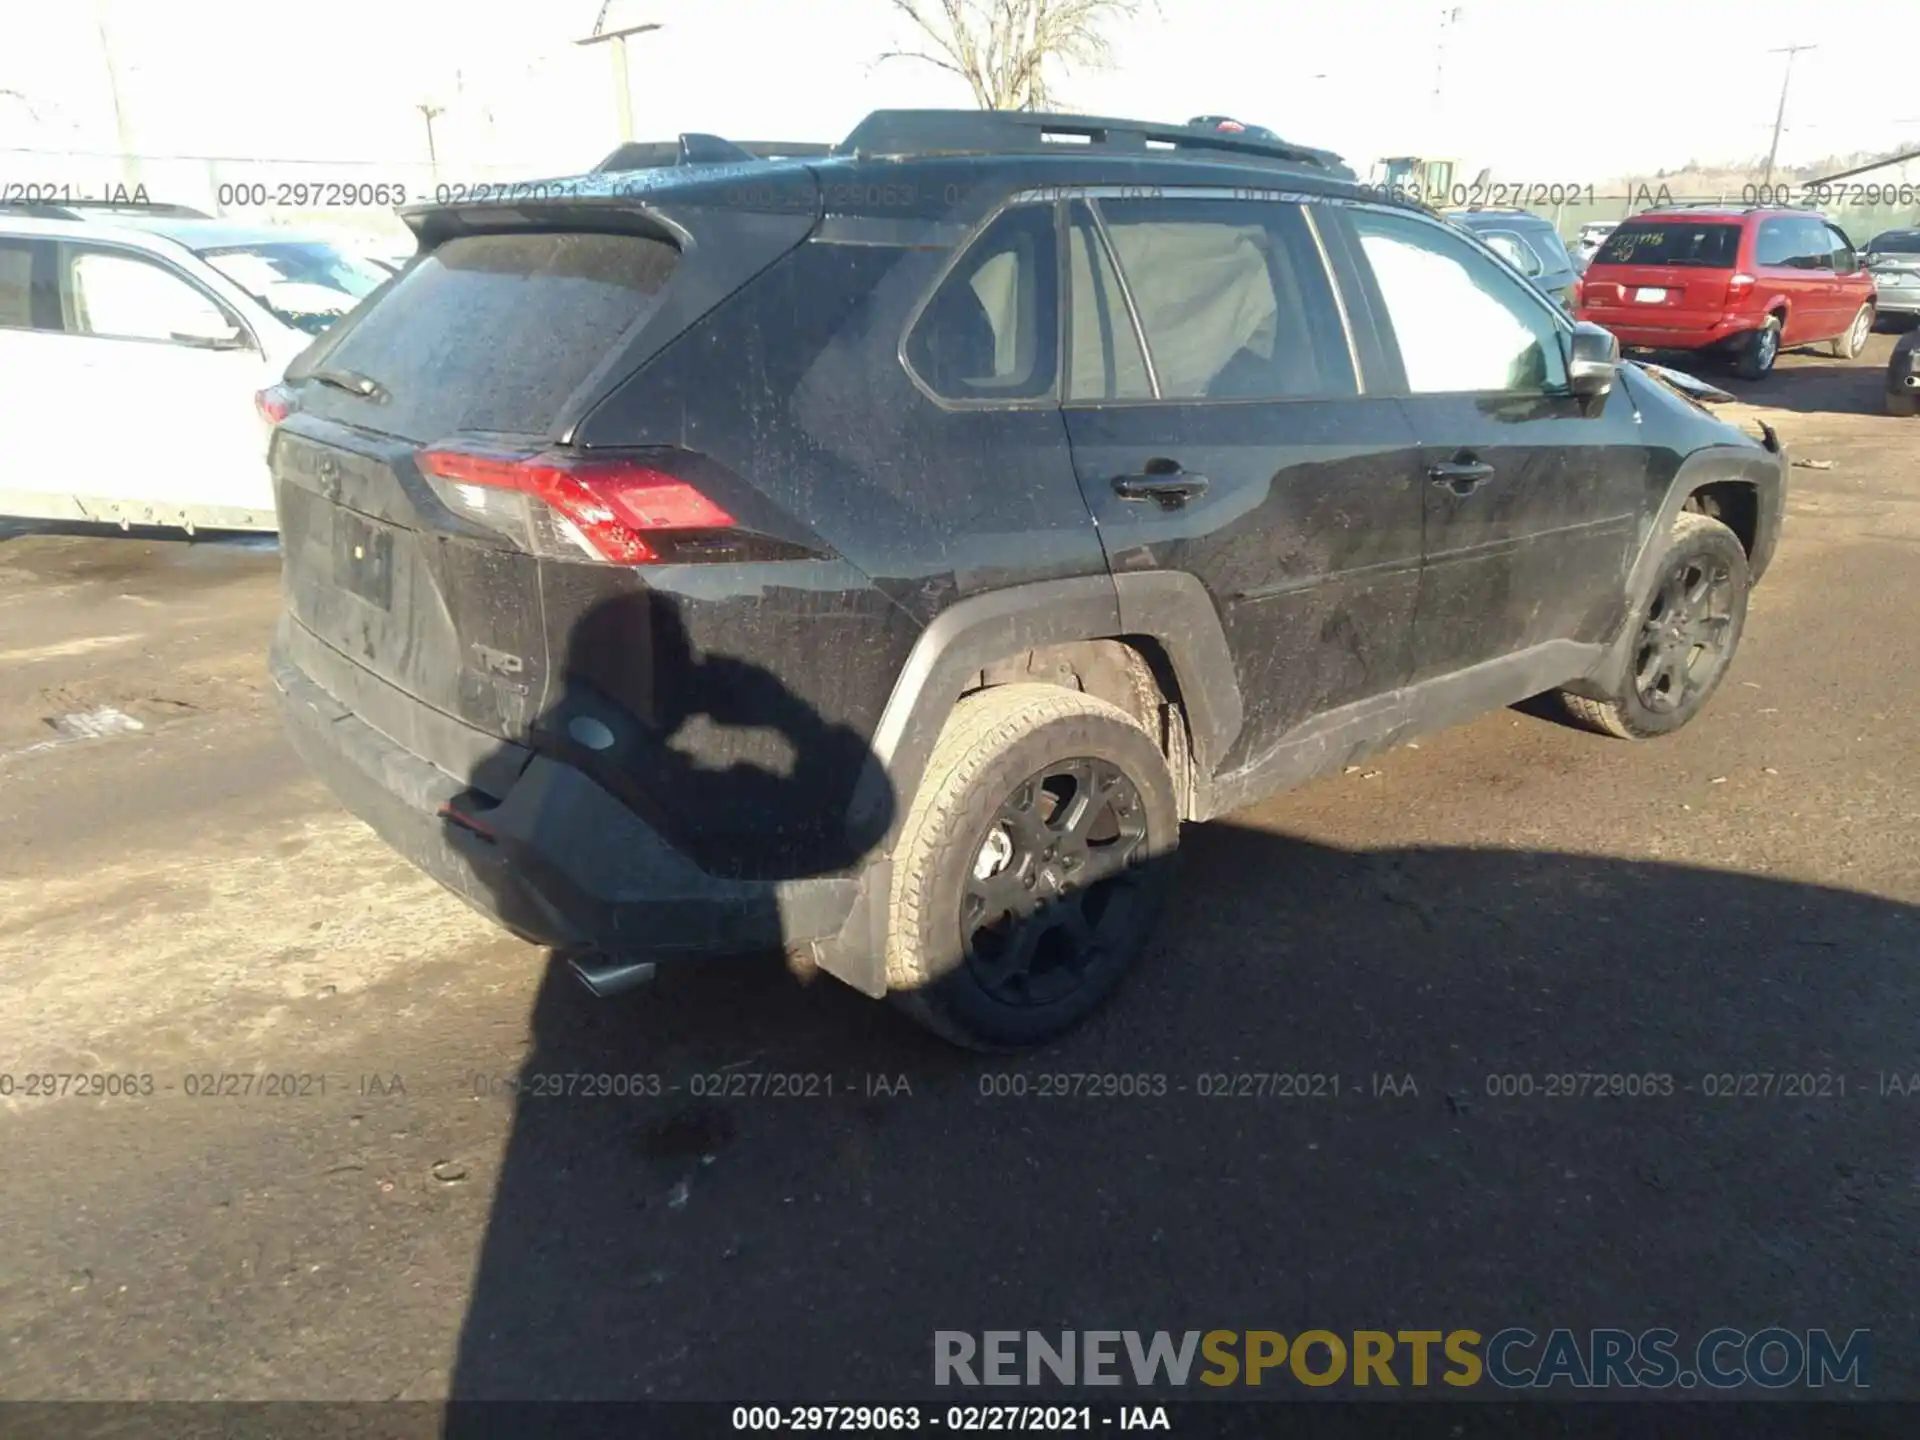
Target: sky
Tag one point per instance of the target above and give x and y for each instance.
(1537, 90)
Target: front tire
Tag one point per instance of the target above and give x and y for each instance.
(1032, 867)
(1686, 630)
(1855, 340)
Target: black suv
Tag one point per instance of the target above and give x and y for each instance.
(879, 555)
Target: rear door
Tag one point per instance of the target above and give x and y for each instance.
(1219, 428)
(1531, 496)
(178, 368)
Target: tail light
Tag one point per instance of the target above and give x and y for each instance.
(1739, 285)
(274, 403)
(616, 510)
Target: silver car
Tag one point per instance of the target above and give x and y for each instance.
(1893, 259)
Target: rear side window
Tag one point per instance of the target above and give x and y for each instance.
(1103, 346)
(494, 332)
(991, 331)
(1672, 242)
(1233, 298)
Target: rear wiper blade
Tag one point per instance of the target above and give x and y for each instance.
(353, 382)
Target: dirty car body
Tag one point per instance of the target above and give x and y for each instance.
(641, 635)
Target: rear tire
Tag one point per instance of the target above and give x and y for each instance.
(1855, 340)
(1686, 631)
(1032, 867)
(1754, 359)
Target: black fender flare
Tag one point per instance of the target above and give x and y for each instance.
(1172, 609)
(1763, 467)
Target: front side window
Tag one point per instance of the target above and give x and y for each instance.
(1844, 260)
(1463, 324)
(1232, 298)
(990, 332)
(124, 297)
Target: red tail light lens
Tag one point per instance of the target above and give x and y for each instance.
(1738, 285)
(607, 506)
(274, 403)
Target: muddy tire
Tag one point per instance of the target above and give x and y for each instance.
(1757, 352)
(1032, 866)
(1855, 340)
(1686, 630)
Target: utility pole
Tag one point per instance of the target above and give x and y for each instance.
(129, 161)
(622, 85)
(428, 110)
(1780, 114)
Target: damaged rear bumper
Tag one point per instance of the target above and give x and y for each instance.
(555, 858)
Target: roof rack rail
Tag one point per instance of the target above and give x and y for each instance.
(83, 209)
(694, 148)
(921, 132)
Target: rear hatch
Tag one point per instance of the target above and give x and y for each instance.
(431, 513)
(1672, 273)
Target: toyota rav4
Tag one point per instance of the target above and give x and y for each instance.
(880, 555)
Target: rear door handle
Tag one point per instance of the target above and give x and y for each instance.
(1164, 481)
(1463, 476)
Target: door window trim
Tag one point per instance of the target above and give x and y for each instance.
(63, 244)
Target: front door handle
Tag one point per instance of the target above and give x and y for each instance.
(1462, 476)
(1162, 480)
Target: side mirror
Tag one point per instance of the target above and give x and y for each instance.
(1593, 356)
(210, 330)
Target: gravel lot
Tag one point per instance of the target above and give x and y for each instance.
(1510, 898)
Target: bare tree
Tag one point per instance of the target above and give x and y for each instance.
(1003, 48)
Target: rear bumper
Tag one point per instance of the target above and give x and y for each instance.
(557, 861)
(1633, 331)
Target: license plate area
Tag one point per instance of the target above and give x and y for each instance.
(1650, 295)
(363, 558)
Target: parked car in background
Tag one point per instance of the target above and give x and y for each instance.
(1528, 243)
(167, 326)
(1739, 283)
(1893, 259)
(1903, 375)
(1587, 243)
(880, 557)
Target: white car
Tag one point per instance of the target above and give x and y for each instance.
(155, 331)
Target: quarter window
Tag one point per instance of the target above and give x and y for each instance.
(1232, 297)
(991, 330)
(1464, 325)
(1515, 251)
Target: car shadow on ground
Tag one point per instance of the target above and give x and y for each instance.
(1471, 1088)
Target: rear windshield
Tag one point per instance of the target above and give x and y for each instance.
(1896, 242)
(493, 332)
(1671, 242)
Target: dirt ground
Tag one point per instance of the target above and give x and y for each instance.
(1510, 898)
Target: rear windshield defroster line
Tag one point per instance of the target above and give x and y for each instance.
(494, 332)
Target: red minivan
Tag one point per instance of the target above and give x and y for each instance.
(1741, 283)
